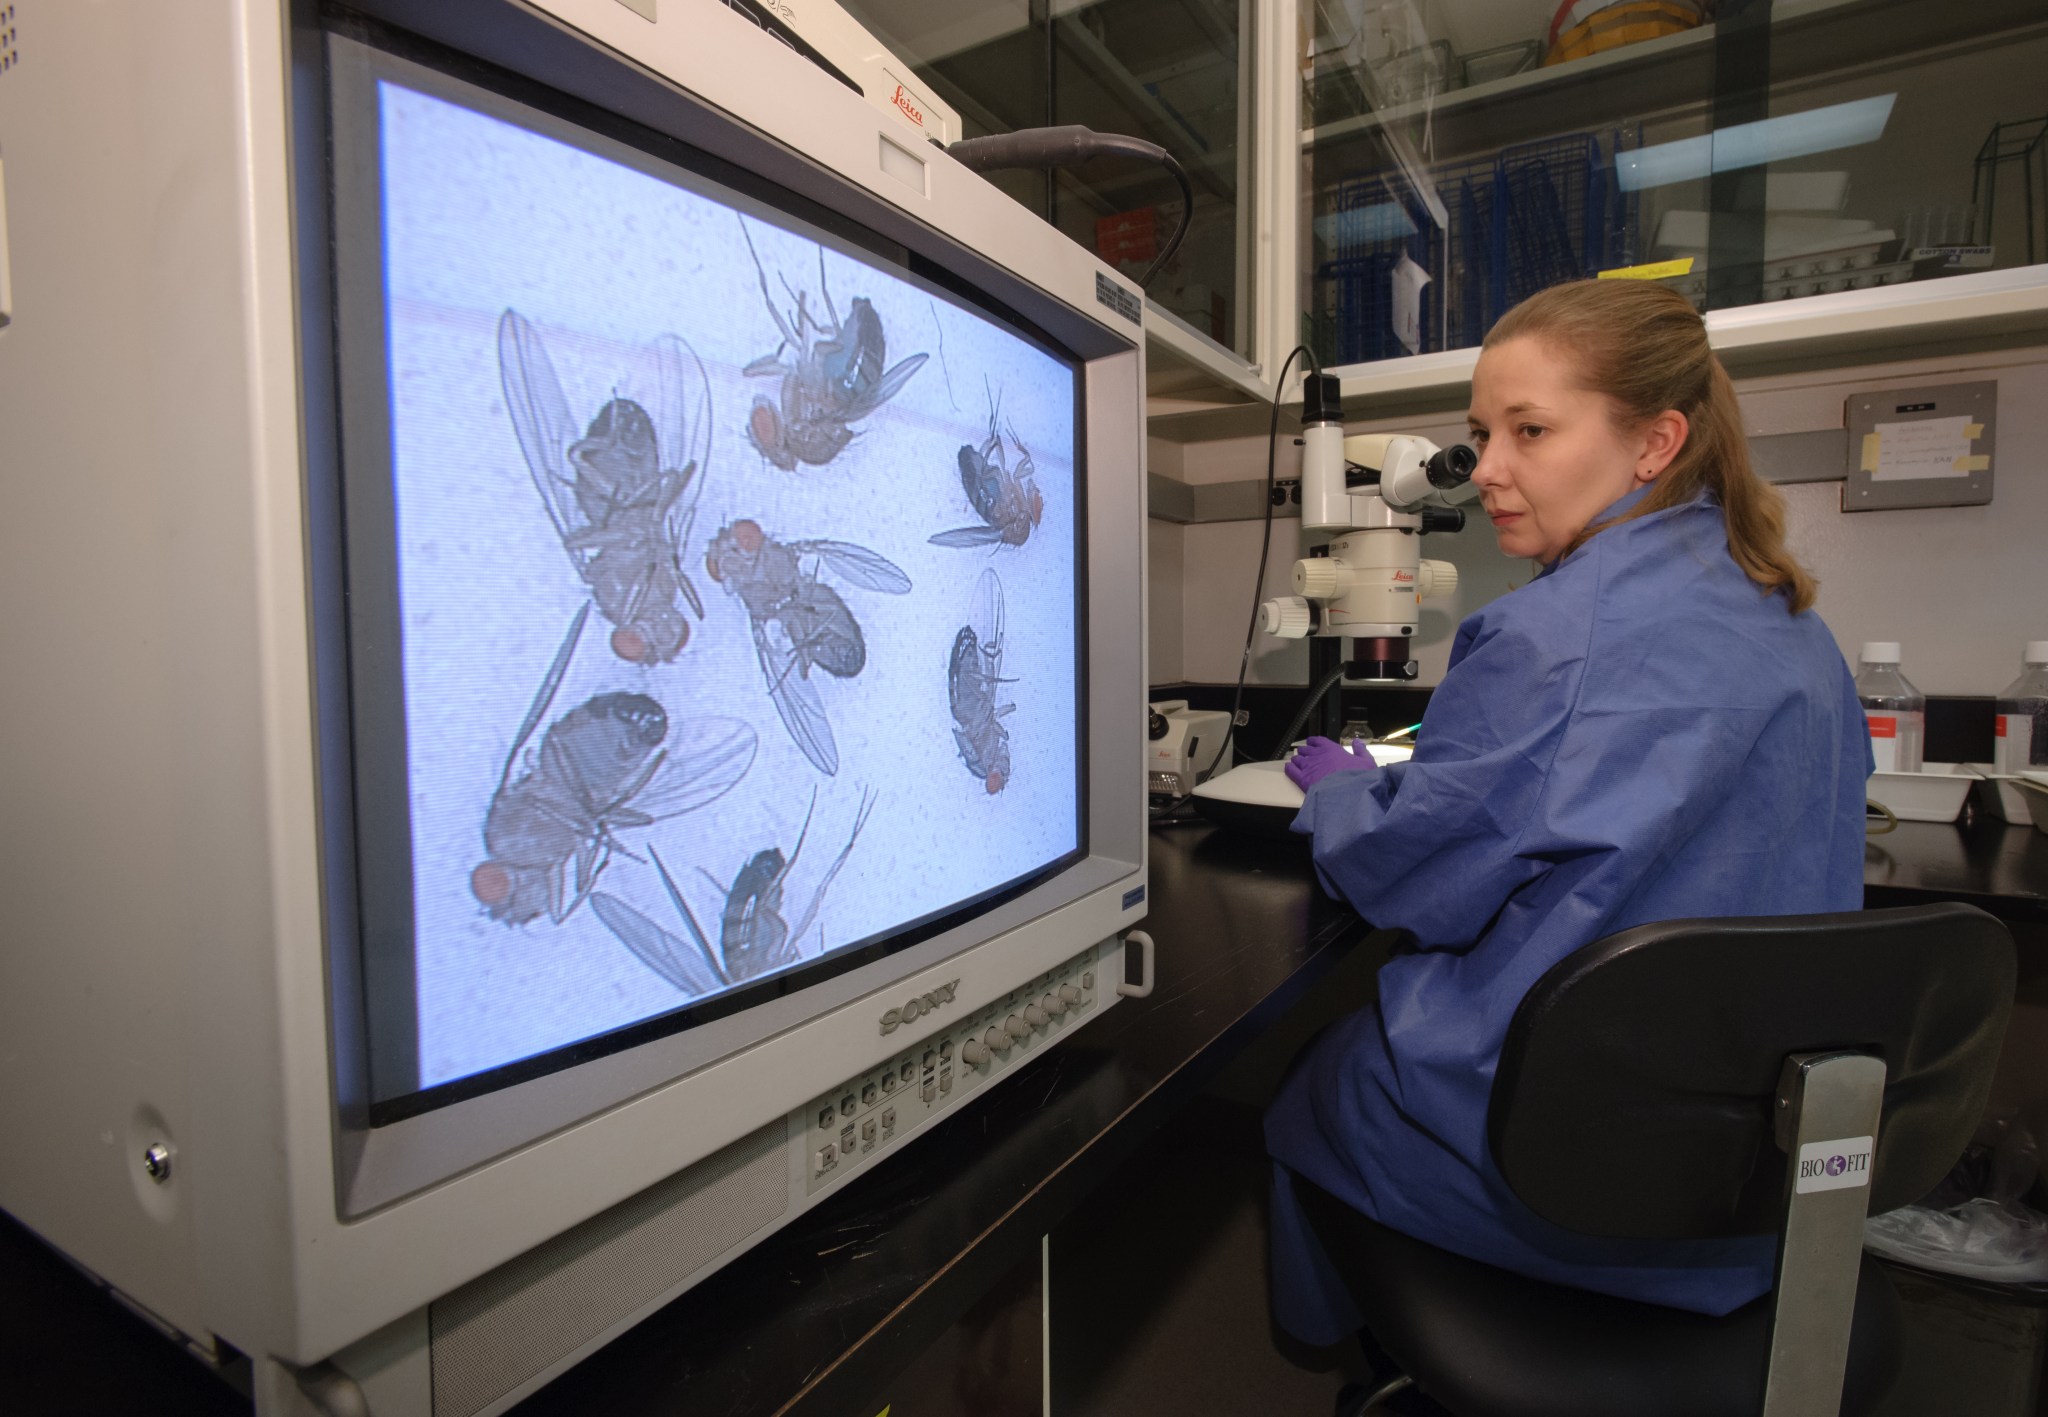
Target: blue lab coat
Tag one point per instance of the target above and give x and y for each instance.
(1638, 734)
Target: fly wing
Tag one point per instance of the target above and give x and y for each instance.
(986, 612)
(671, 958)
(796, 699)
(797, 931)
(682, 909)
(856, 565)
(682, 425)
(706, 758)
(545, 695)
(891, 384)
(682, 405)
(969, 536)
(540, 416)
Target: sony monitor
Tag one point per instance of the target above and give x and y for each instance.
(609, 664)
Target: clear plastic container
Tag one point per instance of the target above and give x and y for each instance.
(2022, 722)
(1895, 711)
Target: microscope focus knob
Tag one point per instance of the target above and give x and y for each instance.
(1035, 1016)
(1054, 1005)
(995, 1040)
(972, 1053)
(1288, 617)
(1436, 578)
(1318, 578)
(1069, 993)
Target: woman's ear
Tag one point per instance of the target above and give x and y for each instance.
(1663, 436)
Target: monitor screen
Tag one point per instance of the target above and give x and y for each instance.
(715, 604)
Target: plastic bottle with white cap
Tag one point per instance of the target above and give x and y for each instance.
(1895, 711)
(2021, 728)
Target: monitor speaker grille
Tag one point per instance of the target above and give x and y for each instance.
(507, 1327)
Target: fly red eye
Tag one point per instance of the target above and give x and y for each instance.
(1037, 506)
(748, 535)
(491, 884)
(994, 782)
(711, 564)
(629, 644)
(762, 424)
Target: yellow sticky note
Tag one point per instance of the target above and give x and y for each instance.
(1979, 462)
(1656, 270)
(1973, 431)
(1872, 442)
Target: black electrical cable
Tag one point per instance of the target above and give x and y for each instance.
(1315, 696)
(1251, 629)
(1070, 145)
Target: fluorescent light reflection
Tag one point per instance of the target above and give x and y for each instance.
(1819, 130)
(1365, 226)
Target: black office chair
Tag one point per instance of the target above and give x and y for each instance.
(1696, 1079)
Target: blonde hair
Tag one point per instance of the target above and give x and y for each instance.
(1645, 347)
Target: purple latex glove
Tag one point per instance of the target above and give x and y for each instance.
(1318, 758)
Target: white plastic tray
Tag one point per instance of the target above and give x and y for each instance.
(2037, 801)
(2002, 795)
(1933, 794)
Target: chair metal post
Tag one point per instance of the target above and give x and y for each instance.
(1828, 1106)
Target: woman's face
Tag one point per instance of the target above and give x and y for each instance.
(1551, 457)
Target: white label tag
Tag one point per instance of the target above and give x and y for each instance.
(2013, 747)
(1834, 1165)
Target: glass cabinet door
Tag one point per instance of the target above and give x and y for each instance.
(1459, 155)
(1170, 71)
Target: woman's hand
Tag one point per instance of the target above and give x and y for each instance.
(1318, 758)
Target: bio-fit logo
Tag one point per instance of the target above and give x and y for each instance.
(901, 98)
(1834, 1165)
(918, 1007)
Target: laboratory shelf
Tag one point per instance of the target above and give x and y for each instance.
(1818, 330)
(1809, 39)
(1815, 179)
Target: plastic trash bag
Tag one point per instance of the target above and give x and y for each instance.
(1975, 1223)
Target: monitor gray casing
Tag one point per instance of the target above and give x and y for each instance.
(179, 912)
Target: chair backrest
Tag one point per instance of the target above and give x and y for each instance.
(1636, 1090)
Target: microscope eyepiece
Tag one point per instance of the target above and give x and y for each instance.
(1452, 467)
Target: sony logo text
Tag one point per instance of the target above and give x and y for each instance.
(918, 1007)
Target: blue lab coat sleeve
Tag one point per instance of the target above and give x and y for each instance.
(1639, 734)
(1429, 845)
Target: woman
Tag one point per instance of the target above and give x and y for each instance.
(1656, 727)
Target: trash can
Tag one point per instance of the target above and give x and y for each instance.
(1970, 1263)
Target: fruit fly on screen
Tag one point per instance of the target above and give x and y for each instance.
(754, 936)
(800, 622)
(1006, 497)
(833, 374)
(974, 680)
(622, 490)
(615, 761)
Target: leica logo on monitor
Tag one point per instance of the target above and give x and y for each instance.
(918, 1007)
(901, 98)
